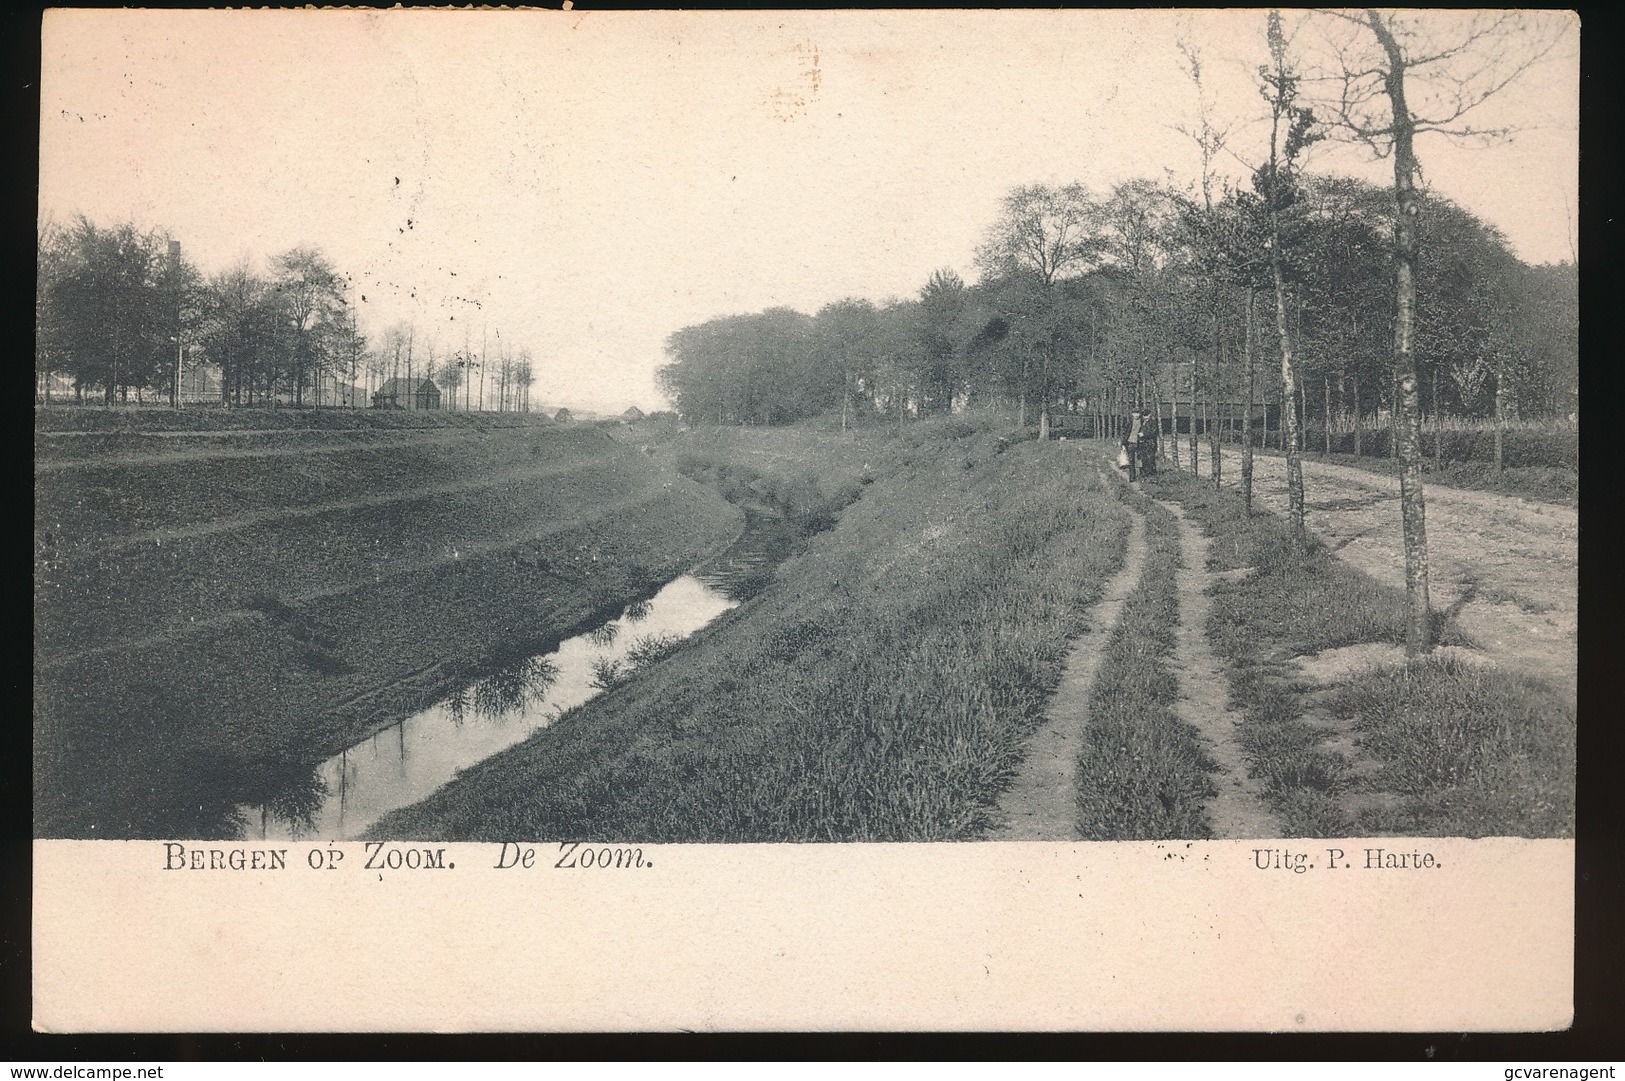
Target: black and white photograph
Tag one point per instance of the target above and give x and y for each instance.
(603, 431)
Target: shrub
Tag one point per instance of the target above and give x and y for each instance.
(1532, 448)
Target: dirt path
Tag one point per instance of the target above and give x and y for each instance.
(1239, 809)
(1506, 568)
(1041, 804)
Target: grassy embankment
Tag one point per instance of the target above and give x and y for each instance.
(1448, 748)
(1143, 773)
(881, 687)
(216, 613)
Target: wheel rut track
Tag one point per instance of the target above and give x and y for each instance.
(1239, 809)
(1041, 803)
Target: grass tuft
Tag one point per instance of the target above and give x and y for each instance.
(1474, 750)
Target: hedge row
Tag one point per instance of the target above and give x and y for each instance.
(1521, 447)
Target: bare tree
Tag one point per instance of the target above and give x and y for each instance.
(1394, 76)
(1291, 130)
(1210, 141)
(525, 376)
(1043, 230)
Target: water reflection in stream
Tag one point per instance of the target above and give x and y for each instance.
(410, 759)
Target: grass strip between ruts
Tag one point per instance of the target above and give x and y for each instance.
(1142, 773)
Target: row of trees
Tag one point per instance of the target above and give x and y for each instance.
(1140, 294)
(1383, 299)
(120, 310)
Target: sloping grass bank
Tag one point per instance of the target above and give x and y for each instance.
(280, 609)
(137, 419)
(881, 688)
(1462, 751)
(1143, 774)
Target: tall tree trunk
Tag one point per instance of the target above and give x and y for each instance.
(1247, 443)
(1438, 423)
(1173, 428)
(1021, 411)
(1413, 510)
(1214, 466)
(1290, 442)
(1326, 418)
(1173, 407)
(1303, 408)
(1043, 398)
(117, 345)
(1358, 417)
(1393, 423)
(1191, 444)
(1500, 425)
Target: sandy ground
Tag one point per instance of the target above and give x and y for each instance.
(1238, 810)
(1506, 568)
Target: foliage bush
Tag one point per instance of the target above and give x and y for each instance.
(1528, 448)
(800, 497)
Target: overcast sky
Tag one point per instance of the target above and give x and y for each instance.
(584, 184)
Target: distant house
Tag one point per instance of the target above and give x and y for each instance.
(56, 387)
(406, 394)
(632, 415)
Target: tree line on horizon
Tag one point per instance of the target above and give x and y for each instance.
(120, 311)
(1141, 295)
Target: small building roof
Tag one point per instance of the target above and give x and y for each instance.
(400, 388)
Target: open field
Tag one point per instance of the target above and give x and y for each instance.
(209, 618)
(160, 420)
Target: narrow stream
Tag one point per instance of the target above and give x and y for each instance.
(407, 761)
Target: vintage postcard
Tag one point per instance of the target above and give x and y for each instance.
(1021, 520)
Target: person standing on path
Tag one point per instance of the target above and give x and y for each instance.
(1140, 444)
